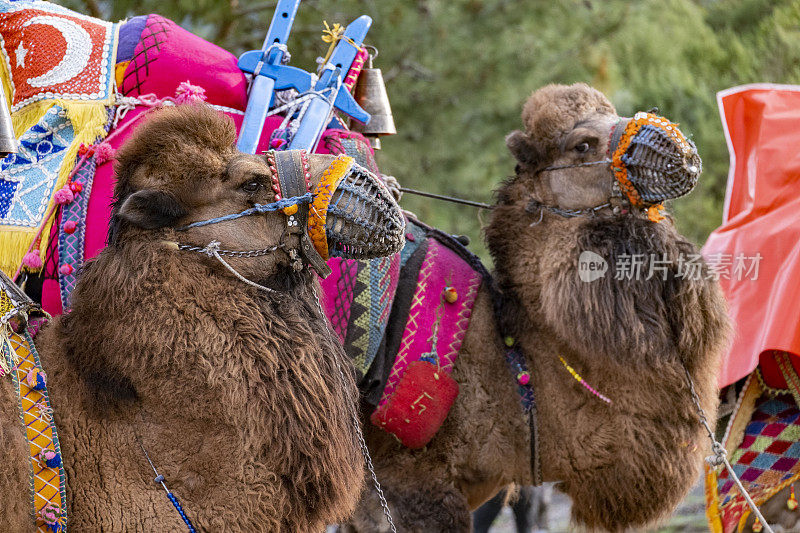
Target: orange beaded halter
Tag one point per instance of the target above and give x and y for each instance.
(652, 161)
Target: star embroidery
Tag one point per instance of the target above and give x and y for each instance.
(21, 52)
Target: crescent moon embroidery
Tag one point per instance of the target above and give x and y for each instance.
(76, 57)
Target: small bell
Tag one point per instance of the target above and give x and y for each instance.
(8, 141)
(370, 93)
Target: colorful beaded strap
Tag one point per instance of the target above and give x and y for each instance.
(48, 484)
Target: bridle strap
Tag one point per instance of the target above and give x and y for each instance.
(292, 170)
(534, 204)
(575, 165)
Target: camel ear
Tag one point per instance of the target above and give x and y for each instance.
(522, 148)
(151, 209)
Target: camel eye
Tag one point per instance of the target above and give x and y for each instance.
(251, 187)
(582, 148)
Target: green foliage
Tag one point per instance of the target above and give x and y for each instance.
(458, 72)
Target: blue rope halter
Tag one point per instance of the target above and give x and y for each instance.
(255, 210)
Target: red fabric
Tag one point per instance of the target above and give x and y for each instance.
(419, 405)
(762, 215)
(50, 50)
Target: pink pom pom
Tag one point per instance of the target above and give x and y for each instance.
(189, 94)
(50, 514)
(276, 143)
(32, 261)
(103, 153)
(70, 226)
(47, 454)
(64, 195)
(523, 378)
(65, 269)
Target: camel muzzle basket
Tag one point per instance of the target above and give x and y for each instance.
(652, 159)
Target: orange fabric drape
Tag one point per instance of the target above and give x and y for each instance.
(762, 216)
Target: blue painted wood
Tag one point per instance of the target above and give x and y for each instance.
(319, 109)
(262, 86)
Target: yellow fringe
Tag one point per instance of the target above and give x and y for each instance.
(88, 122)
(712, 500)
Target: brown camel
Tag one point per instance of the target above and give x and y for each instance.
(236, 393)
(626, 463)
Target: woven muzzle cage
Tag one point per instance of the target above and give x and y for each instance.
(353, 214)
(363, 221)
(652, 160)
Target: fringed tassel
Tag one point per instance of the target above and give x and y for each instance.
(791, 503)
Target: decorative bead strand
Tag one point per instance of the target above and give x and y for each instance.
(159, 480)
(306, 169)
(276, 186)
(580, 380)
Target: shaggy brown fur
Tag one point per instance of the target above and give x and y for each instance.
(626, 464)
(236, 394)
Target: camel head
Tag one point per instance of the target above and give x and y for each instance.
(180, 179)
(577, 154)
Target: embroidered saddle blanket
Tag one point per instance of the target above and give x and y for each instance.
(763, 444)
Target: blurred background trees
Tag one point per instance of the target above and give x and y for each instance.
(458, 72)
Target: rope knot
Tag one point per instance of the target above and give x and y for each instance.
(718, 458)
(211, 249)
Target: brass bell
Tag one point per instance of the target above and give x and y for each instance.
(8, 141)
(371, 95)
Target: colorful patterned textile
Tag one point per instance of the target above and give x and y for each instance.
(764, 450)
(439, 282)
(29, 177)
(357, 298)
(351, 143)
(52, 52)
(167, 55)
(58, 67)
(436, 325)
(48, 484)
(72, 230)
(358, 295)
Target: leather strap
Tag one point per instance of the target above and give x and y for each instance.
(616, 134)
(536, 461)
(291, 175)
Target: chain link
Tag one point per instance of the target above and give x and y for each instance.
(361, 442)
(368, 460)
(233, 253)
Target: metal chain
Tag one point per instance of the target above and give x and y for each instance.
(233, 253)
(720, 454)
(368, 460)
(566, 213)
(357, 426)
